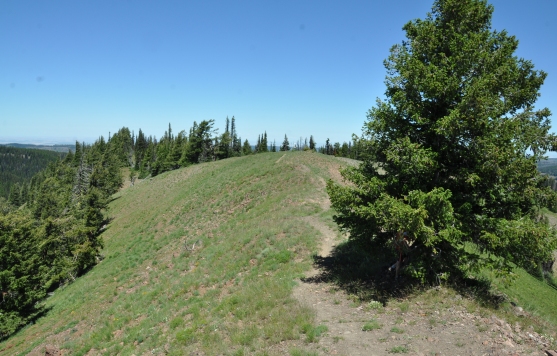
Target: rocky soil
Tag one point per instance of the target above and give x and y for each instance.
(437, 322)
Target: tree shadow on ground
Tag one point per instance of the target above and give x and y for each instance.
(364, 270)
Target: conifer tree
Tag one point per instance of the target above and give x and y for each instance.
(450, 156)
(285, 144)
(328, 148)
(258, 145)
(311, 143)
(246, 148)
(264, 144)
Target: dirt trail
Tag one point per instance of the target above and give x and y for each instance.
(413, 329)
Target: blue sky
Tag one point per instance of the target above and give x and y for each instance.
(76, 70)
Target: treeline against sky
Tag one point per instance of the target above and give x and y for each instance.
(146, 155)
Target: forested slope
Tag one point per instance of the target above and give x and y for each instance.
(18, 165)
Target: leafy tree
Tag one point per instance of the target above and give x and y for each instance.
(450, 156)
(285, 144)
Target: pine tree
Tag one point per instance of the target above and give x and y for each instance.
(285, 144)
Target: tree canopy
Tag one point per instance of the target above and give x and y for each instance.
(450, 156)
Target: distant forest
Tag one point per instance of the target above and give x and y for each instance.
(18, 165)
(56, 148)
(548, 167)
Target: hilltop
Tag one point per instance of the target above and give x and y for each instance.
(216, 259)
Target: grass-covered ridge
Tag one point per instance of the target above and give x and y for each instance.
(202, 258)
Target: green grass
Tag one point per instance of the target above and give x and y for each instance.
(204, 259)
(230, 294)
(313, 333)
(398, 350)
(533, 295)
(397, 330)
(372, 325)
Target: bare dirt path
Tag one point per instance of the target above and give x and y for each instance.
(438, 323)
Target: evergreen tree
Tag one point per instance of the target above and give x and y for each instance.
(21, 280)
(336, 149)
(457, 141)
(15, 195)
(140, 149)
(224, 144)
(200, 146)
(285, 144)
(258, 144)
(246, 148)
(264, 144)
(311, 143)
(235, 143)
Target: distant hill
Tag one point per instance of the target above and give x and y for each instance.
(19, 164)
(55, 148)
(548, 166)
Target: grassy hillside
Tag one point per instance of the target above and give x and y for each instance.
(203, 260)
(199, 259)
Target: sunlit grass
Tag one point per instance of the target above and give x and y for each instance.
(202, 258)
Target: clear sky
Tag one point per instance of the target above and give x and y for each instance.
(76, 70)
